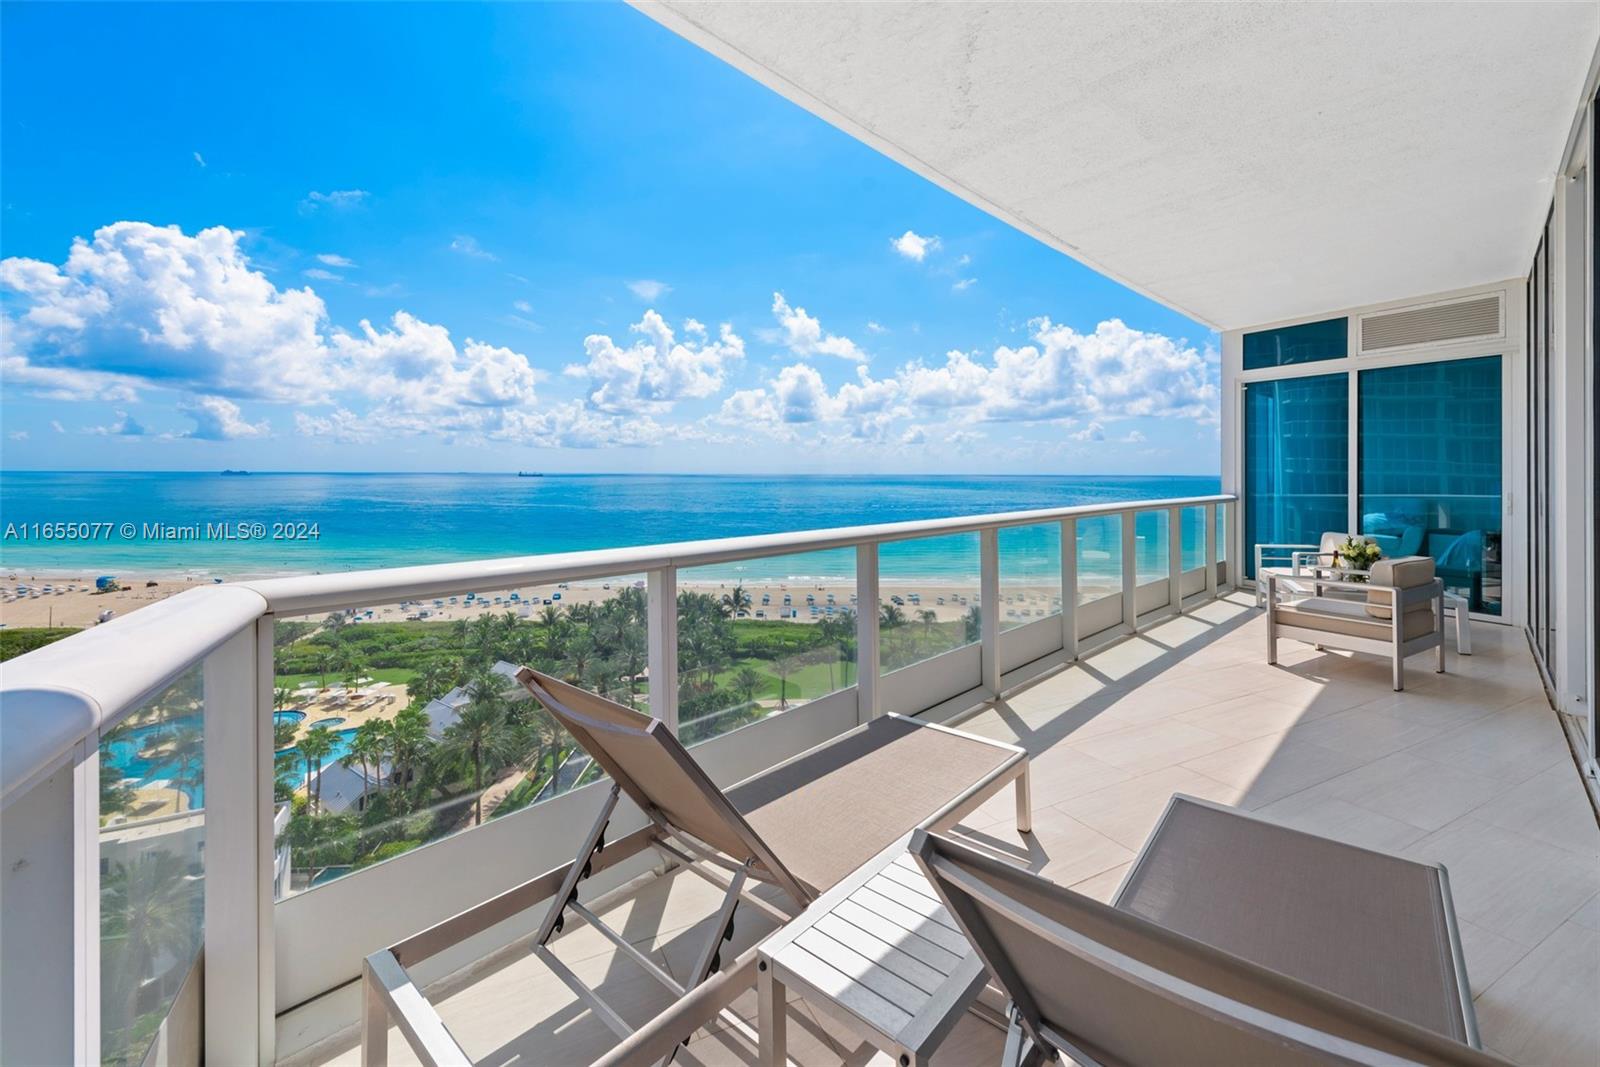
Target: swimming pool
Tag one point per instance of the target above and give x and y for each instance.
(340, 749)
(325, 722)
(281, 717)
(124, 752)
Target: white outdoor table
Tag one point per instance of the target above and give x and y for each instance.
(879, 953)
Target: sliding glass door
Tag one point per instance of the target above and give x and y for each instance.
(1296, 461)
(1430, 470)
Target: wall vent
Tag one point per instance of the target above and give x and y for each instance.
(1459, 320)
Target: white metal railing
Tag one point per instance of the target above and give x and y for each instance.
(57, 702)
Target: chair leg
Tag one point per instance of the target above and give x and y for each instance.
(1399, 671)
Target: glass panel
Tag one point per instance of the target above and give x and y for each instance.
(1150, 546)
(928, 598)
(1296, 461)
(1430, 470)
(1099, 557)
(1192, 523)
(152, 864)
(1030, 573)
(763, 636)
(1309, 342)
(401, 724)
(1222, 531)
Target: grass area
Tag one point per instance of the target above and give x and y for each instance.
(392, 675)
(15, 642)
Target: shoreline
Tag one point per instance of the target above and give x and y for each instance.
(947, 598)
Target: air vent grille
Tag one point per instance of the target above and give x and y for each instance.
(1458, 321)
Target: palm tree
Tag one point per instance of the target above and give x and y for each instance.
(150, 906)
(737, 601)
(315, 746)
(188, 757)
(973, 624)
(327, 659)
(281, 697)
(784, 666)
(746, 682)
(408, 740)
(434, 680)
(481, 735)
(890, 616)
(335, 624)
(549, 739)
(366, 746)
(927, 617)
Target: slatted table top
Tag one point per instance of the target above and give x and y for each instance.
(882, 950)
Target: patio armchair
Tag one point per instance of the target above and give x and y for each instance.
(1401, 614)
(1232, 940)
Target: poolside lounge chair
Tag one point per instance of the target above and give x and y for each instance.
(1232, 941)
(801, 827)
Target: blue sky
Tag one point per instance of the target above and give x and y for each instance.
(373, 237)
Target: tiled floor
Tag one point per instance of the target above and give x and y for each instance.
(1469, 769)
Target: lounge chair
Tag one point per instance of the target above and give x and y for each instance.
(799, 827)
(1232, 940)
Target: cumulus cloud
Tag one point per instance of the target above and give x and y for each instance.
(657, 370)
(142, 306)
(219, 419)
(125, 426)
(337, 200)
(1116, 371)
(913, 246)
(803, 335)
(468, 246)
(333, 259)
(649, 290)
(798, 394)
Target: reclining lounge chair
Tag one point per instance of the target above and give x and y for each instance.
(1232, 941)
(799, 827)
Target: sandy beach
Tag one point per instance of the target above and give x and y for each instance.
(73, 601)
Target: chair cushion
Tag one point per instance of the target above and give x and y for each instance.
(1349, 617)
(1407, 572)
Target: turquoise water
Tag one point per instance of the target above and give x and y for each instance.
(374, 520)
(340, 749)
(291, 717)
(123, 750)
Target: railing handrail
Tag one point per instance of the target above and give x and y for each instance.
(55, 696)
(306, 594)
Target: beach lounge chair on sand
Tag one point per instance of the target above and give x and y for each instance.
(1232, 941)
(799, 828)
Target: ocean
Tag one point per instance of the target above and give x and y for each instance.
(124, 519)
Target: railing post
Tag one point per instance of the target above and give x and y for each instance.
(662, 607)
(989, 608)
(1069, 589)
(239, 980)
(1175, 559)
(1211, 550)
(1130, 574)
(1234, 552)
(868, 698)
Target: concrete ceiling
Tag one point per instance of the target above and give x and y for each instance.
(1240, 162)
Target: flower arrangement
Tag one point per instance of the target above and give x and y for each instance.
(1357, 554)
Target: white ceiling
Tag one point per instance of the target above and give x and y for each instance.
(1242, 163)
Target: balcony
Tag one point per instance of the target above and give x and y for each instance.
(1144, 674)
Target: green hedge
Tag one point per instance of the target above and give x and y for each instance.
(15, 642)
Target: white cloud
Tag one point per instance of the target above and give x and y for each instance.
(649, 290)
(142, 306)
(658, 370)
(798, 394)
(963, 284)
(873, 327)
(332, 259)
(523, 306)
(55, 425)
(1092, 432)
(1113, 372)
(219, 419)
(963, 259)
(323, 275)
(337, 200)
(125, 426)
(914, 246)
(18, 435)
(201, 160)
(803, 335)
(467, 245)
